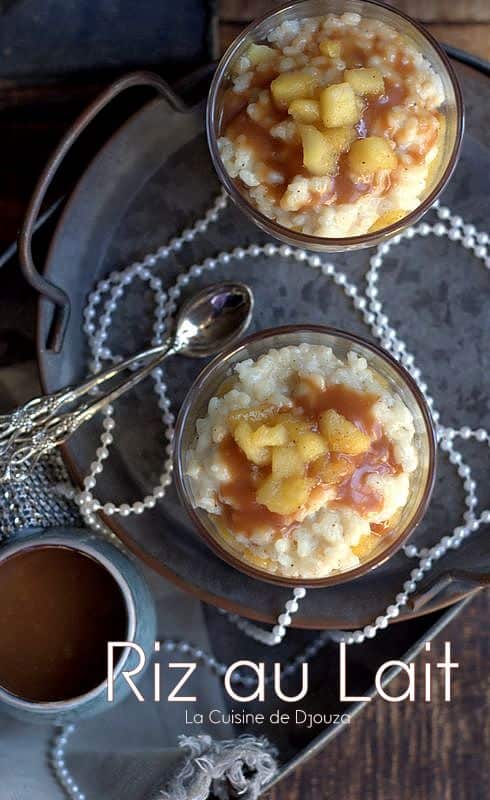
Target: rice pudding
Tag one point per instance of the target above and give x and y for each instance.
(332, 126)
(303, 461)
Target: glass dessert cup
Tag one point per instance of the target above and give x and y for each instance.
(209, 384)
(452, 109)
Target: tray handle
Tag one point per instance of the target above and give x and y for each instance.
(473, 580)
(55, 294)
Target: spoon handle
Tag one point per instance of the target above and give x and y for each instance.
(37, 427)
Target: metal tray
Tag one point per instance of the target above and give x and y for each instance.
(152, 179)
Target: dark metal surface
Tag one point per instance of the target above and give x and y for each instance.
(123, 209)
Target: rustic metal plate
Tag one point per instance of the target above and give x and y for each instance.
(153, 179)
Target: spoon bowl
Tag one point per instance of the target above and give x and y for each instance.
(212, 319)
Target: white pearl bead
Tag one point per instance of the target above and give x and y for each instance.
(409, 586)
(284, 619)
(485, 515)
(358, 637)
(299, 592)
(392, 611)
(370, 631)
(480, 435)
(381, 622)
(292, 606)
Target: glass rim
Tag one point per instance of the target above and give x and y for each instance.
(233, 560)
(322, 243)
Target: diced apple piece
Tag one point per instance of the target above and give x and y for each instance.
(258, 53)
(244, 437)
(342, 435)
(368, 155)
(330, 471)
(338, 106)
(270, 436)
(254, 414)
(341, 138)
(287, 461)
(291, 86)
(365, 546)
(305, 111)
(319, 157)
(388, 218)
(365, 81)
(284, 497)
(330, 48)
(295, 426)
(311, 446)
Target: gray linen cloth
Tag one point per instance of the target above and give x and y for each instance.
(132, 751)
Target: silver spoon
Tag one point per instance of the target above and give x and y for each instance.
(206, 323)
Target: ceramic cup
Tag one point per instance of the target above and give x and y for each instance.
(141, 625)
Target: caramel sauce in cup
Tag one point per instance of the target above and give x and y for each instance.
(60, 607)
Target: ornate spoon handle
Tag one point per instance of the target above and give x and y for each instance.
(35, 428)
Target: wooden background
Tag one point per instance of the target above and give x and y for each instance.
(462, 23)
(409, 751)
(414, 751)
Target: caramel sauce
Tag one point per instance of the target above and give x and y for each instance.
(354, 406)
(237, 498)
(287, 157)
(240, 509)
(275, 154)
(354, 491)
(59, 609)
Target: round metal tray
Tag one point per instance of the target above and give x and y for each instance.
(152, 179)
